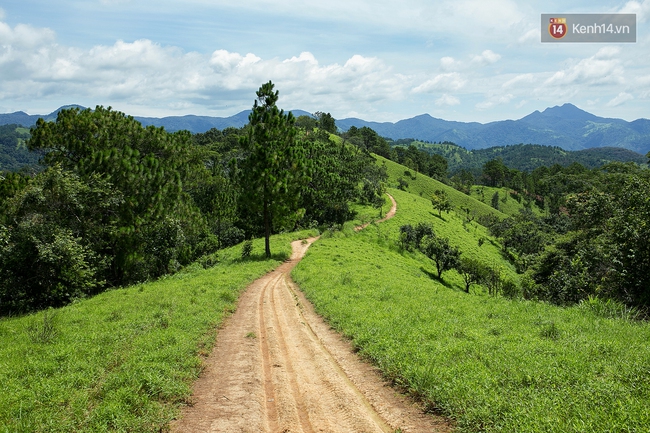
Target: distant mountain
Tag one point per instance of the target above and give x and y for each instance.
(566, 126)
(172, 123)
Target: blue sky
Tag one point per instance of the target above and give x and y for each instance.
(465, 60)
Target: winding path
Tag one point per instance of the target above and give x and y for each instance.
(278, 367)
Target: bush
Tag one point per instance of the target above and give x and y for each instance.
(246, 249)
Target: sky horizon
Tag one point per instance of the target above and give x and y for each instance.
(463, 60)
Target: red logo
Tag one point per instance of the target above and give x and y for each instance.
(557, 27)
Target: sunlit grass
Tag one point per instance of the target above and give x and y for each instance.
(424, 186)
(491, 364)
(125, 359)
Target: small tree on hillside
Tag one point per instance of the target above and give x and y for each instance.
(472, 271)
(441, 252)
(495, 200)
(440, 201)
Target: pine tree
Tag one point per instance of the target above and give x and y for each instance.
(274, 170)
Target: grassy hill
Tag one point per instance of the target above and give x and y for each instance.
(125, 359)
(489, 363)
(424, 186)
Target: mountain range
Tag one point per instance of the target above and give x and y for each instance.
(566, 126)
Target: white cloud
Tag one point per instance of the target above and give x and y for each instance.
(600, 69)
(449, 64)
(519, 80)
(621, 98)
(494, 101)
(532, 35)
(441, 82)
(447, 100)
(487, 57)
(641, 9)
(147, 74)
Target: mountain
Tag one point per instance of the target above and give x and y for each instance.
(566, 126)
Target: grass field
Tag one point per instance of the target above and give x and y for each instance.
(424, 186)
(489, 363)
(123, 360)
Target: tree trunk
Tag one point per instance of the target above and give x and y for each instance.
(267, 230)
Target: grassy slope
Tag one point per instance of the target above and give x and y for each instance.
(509, 207)
(424, 186)
(492, 364)
(122, 360)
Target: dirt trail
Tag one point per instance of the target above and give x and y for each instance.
(278, 367)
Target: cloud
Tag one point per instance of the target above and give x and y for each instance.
(621, 98)
(532, 35)
(487, 57)
(519, 80)
(143, 73)
(449, 64)
(641, 9)
(494, 101)
(441, 82)
(600, 69)
(447, 100)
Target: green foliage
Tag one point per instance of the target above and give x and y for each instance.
(246, 249)
(125, 359)
(425, 186)
(145, 167)
(14, 155)
(336, 171)
(472, 271)
(441, 252)
(326, 122)
(275, 168)
(410, 238)
(522, 157)
(495, 200)
(432, 165)
(490, 363)
(440, 201)
(368, 140)
(52, 249)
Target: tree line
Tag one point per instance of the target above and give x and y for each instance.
(119, 203)
(593, 240)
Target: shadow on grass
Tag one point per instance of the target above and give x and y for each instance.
(440, 217)
(434, 276)
(261, 257)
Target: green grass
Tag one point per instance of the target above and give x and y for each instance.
(424, 186)
(491, 364)
(509, 206)
(412, 209)
(125, 359)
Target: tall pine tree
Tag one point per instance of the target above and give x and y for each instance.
(274, 170)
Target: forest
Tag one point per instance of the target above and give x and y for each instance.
(115, 203)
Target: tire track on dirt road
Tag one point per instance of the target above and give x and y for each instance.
(278, 367)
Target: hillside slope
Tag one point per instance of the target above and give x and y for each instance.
(424, 186)
(491, 364)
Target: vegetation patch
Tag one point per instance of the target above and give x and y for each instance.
(125, 359)
(492, 364)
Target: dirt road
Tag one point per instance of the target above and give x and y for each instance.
(277, 367)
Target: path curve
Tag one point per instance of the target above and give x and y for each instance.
(391, 213)
(278, 367)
